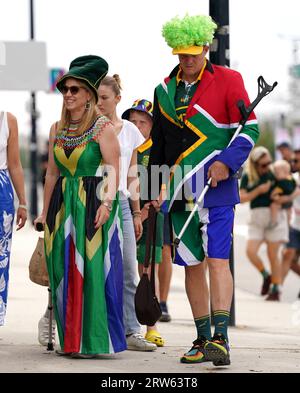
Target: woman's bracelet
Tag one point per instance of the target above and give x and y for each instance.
(137, 213)
(107, 205)
(22, 207)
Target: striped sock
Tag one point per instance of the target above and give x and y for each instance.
(203, 326)
(221, 320)
(265, 273)
(275, 288)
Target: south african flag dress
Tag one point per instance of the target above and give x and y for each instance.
(84, 264)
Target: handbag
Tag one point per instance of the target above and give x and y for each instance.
(147, 307)
(38, 272)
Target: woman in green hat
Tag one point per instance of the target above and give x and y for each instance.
(81, 218)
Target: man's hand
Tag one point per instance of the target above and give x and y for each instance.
(217, 171)
(156, 205)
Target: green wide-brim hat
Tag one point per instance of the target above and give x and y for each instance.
(88, 69)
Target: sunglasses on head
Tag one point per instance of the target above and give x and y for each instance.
(73, 89)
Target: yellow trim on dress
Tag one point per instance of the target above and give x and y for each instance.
(71, 162)
(58, 220)
(82, 192)
(92, 246)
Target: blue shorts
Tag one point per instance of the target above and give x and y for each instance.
(294, 239)
(209, 234)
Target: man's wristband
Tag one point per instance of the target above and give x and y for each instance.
(22, 207)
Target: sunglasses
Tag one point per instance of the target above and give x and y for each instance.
(265, 165)
(73, 89)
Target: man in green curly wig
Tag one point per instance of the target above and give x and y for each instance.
(194, 117)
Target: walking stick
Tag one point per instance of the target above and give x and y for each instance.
(263, 90)
(50, 346)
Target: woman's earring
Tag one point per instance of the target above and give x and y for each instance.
(88, 105)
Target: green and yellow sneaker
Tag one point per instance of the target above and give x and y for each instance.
(217, 350)
(196, 353)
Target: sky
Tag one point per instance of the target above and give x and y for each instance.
(128, 35)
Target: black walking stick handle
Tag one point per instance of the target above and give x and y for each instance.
(39, 227)
(263, 90)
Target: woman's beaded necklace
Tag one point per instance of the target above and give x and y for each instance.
(68, 138)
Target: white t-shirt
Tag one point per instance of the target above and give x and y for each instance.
(295, 219)
(129, 138)
(4, 134)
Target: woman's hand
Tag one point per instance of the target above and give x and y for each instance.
(21, 217)
(138, 227)
(39, 220)
(102, 216)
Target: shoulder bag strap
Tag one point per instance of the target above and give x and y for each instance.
(152, 277)
(150, 244)
(149, 238)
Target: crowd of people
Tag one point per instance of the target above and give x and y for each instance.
(96, 201)
(272, 188)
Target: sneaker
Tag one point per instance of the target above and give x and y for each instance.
(136, 342)
(266, 286)
(273, 296)
(196, 353)
(43, 328)
(217, 350)
(165, 316)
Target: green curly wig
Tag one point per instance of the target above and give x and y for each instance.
(191, 30)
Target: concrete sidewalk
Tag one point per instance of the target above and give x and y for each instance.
(266, 339)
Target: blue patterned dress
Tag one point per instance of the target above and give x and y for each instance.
(6, 218)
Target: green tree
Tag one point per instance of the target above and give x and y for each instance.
(266, 137)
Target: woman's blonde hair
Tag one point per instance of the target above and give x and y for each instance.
(114, 82)
(88, 118)
(256, 154)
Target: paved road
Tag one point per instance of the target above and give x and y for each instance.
(266, 338)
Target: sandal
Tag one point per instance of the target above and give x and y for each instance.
(154, 337)
(59, 352)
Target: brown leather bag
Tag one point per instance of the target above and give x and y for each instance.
(38, 272)
(147, 307)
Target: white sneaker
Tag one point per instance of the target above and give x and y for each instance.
(136, 342)
(44, 331)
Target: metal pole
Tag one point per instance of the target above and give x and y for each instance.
(33, 139)
(219, 51)
(219, 54)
